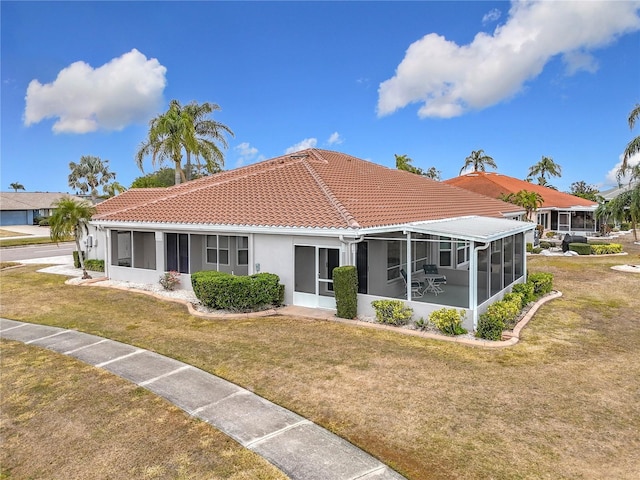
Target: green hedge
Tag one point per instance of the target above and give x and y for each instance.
(223, 291)
(580, 248)
(542, 283)
(94, 265)
(503, 314)
(76, 260)
(526, 291)
(345, 287)
(606, 249)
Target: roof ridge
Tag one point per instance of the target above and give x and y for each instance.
(340, 208)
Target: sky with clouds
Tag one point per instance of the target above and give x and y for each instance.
(432, 80)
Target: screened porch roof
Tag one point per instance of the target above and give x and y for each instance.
(473, 228)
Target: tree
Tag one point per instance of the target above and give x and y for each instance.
(70, 217)
(624, 207)
(530, 201)
(478, 160)
(90, 173)
(433, 173)
(207, 132)
(582, 190)
(633, 147)
(546, 166)
(113, 189)
(163, 177)
(16, 186)
(184, 128)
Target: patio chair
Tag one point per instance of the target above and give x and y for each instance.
(435, 279)
(417, 288)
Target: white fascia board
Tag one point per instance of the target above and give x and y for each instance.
(218, 228)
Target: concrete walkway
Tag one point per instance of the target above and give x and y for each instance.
(298, 447)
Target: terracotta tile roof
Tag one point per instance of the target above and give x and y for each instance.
(312, 188)
(493, 185)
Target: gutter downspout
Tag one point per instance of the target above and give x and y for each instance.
(473, 283)
(351, 248)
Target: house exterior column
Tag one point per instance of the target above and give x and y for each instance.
(160, 267)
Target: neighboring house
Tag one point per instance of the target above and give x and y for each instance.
(608, 195)
(22, 208)
(303, 214)
(559, 212)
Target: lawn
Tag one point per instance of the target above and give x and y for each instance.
(562, 403)
(9, 233)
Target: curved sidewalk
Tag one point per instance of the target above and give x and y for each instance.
(298, 447)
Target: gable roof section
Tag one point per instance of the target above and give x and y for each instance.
(309, 189)
(493, 185)
(30, 200)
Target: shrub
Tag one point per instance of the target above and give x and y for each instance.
(550, 234)
(517, 298)
(490, 327)
(625, 226)
(506, 311)
(606, 249)
(94, 265)
(345, 287)
(542, 283)
(448, 321)
(526, 290)
(580, 248)
(529, 247)
(421, 324)
(392, 312)
(44, 222)
(536, 250)
(239, 293)
(170, 280)
(544, 244)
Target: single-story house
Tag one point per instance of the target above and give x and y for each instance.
(301, 215)
(559, 212)
(23, 208)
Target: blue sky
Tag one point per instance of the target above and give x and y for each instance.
(432, 80)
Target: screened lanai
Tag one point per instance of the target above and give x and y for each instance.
(480, 257)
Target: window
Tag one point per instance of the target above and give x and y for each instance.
(393, 260)
(121, 248)
(177, 252)
(462, 253)
(242, 248)
(218, 249)
(445, 252)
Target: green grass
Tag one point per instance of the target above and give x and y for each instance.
(17, 242)
(559, 404)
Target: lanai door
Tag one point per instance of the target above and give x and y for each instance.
(313, 276)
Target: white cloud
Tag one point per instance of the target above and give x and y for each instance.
(449, 79)
(612, 179)
(303, 145)
(247, 154)
(126, 90)
(491, 16)
(335, 139)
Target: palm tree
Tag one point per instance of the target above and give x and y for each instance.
(167, 132)
(530, 201)
(546, 166)
(113, 189)
(70, 217)
(478, 160)
(90, 173)
(16, 186)
(184, 127)
(625, 206)
(633, 147)
(207, 133)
